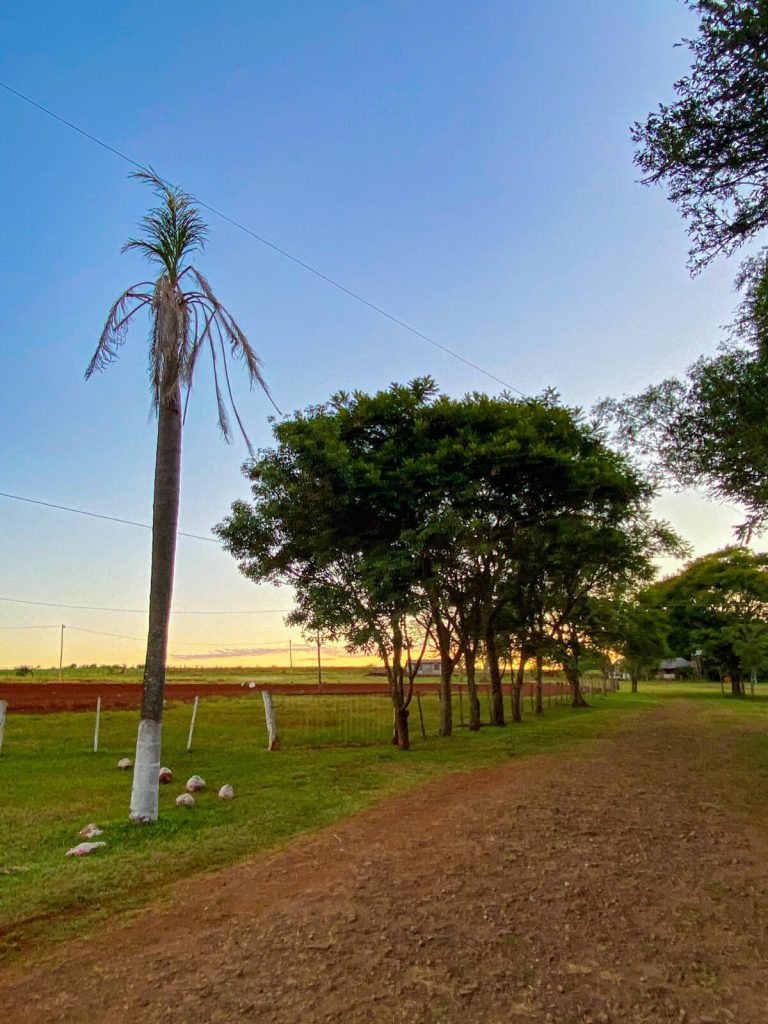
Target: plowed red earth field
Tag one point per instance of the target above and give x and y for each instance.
(41, 698)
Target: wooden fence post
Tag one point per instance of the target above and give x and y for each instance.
(421, 715)
(269, 715)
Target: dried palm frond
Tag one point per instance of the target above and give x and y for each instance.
(115, 329)
(184, 320)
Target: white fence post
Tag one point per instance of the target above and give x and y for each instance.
(192, 724)
(269, 714)
(96, 729)
(3, 709)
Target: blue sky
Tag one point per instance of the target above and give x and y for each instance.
(465, 165)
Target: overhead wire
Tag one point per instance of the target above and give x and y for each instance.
(175, 643)
(143, 611)
(271, 245)
(99, 515)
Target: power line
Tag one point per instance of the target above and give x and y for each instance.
(179, 643)
(98, 515)
(143, 611)
(96, 632)
(175, 643)
(271, 245)
(56, 625)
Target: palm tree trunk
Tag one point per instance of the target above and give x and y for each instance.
(165, 515)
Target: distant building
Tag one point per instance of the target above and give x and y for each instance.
(428, 667)
(673, 668)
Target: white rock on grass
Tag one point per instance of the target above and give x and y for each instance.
(90, 830)
(194, 783)
(166, 776)
(125, 763)
(185, 800)
(82, 848)
(226, 793)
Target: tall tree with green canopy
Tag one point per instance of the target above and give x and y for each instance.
(417, 502)
(332, 504)
(594, 562)
(718, 604)
(708, 430)
(709, 148)
(642, 638)
(186, 318)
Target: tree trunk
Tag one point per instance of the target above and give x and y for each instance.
(396, 679)
(494, 675)
(446, 697)
(447, 665)
(517, 688)
(165, 515)
(402, 737)
(634, 677)
(470, 658)
(577, 697)
(539, 684)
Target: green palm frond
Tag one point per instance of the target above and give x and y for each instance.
(173, 230)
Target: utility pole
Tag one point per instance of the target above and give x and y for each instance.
(61, 650)
(319, 666)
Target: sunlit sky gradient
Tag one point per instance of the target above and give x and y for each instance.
(465, 165)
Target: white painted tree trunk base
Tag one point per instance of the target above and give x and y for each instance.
(146, 773)
(269, 715)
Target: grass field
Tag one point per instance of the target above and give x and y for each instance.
(228, 674)
(51, 784)
(187, 674)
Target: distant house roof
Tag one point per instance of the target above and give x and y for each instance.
(672, 663)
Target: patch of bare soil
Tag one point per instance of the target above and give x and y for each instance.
(613, 888)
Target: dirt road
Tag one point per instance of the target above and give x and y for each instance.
(615, 886)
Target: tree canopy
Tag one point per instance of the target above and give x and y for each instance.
(710, 146)
(718, 605)
(709, 149)
(709, 429)
(406, 513)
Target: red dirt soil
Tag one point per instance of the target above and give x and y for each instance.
(616, 885)
(43, 698)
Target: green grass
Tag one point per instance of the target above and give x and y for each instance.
(335, 760)
(187, 674)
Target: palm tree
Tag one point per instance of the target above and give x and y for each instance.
(186, 318)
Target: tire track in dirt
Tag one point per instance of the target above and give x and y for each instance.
(608, 886)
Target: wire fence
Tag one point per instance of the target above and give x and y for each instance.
(345, 717)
